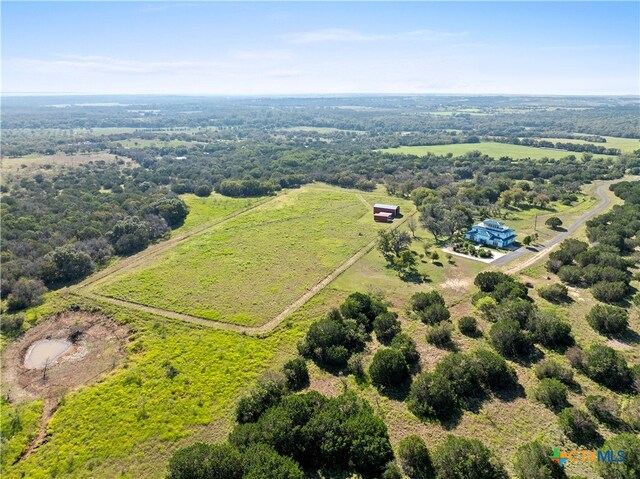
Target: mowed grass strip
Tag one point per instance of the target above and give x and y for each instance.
(490, 148)
(248, 269)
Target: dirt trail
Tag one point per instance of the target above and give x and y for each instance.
(50, 406)
(269, 325)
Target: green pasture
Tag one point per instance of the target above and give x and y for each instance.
(248, 269)
(490, 148)
(127, 424)
(625, 145)
(212, 208)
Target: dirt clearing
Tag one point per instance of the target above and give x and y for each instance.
(95, 344)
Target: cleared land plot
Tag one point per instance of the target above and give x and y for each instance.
(213, 207)
(625, 145)
(490, 148)
(28, 164)
(248, 269)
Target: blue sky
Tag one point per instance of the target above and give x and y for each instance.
(305, 47)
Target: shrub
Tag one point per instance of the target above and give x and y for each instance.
(415, 458)
(388, 368)
(431, 397)
(407, 346)
(461, 372)
(610, 292)
(487, 306)
(604, 409)
(296, 373)
(434, 314)
(206, 461)
(386, 327)
(577, 424)
(608, 319)
(548, 368)
(330, 341)
(508, 339)
(440, 334)
(494, 372)
(260, 461)
(630, 468)
(355, 366)
(552, 393)
(555, 293)
(12, 324)
(574, 356)
(462, 458)
(363, 308)
(422, 300)
(606, 366)
(553, 222)
(533, 461)
(202, 190)
(25, 293)
(488, 280)
(392, 471)
(570, 274)
(518, 309)
(550, 331)
(468, 326)
(631, 414)
(263, 396)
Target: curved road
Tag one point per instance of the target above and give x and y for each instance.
(547, 246)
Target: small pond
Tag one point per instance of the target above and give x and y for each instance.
(44, 352)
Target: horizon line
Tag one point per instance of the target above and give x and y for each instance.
(311, 94)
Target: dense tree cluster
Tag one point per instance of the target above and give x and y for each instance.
(456, 379)
(600, 267)
(518, 323)
(332, 340)
(60, 227)
(320, 433)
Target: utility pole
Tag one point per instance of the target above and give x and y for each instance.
(535, 223)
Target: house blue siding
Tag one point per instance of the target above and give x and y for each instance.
(491, 233)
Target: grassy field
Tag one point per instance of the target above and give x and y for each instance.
(127, 424)
(248, 269)
(490, 148)
(214, 207)
(625, 145)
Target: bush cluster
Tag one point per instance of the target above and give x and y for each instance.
(331, 341)
(429, 307)
(319, 432)
(602, 268)
(608, 319)
(456, 379)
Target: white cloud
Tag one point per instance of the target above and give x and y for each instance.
(347, 35)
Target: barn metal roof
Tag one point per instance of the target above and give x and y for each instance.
(380, 205)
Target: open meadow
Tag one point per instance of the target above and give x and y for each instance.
(490, 148)
(227, 274)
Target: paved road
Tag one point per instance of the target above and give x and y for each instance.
(547, 246)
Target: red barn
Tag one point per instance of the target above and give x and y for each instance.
(380, 208)
(383, 217)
